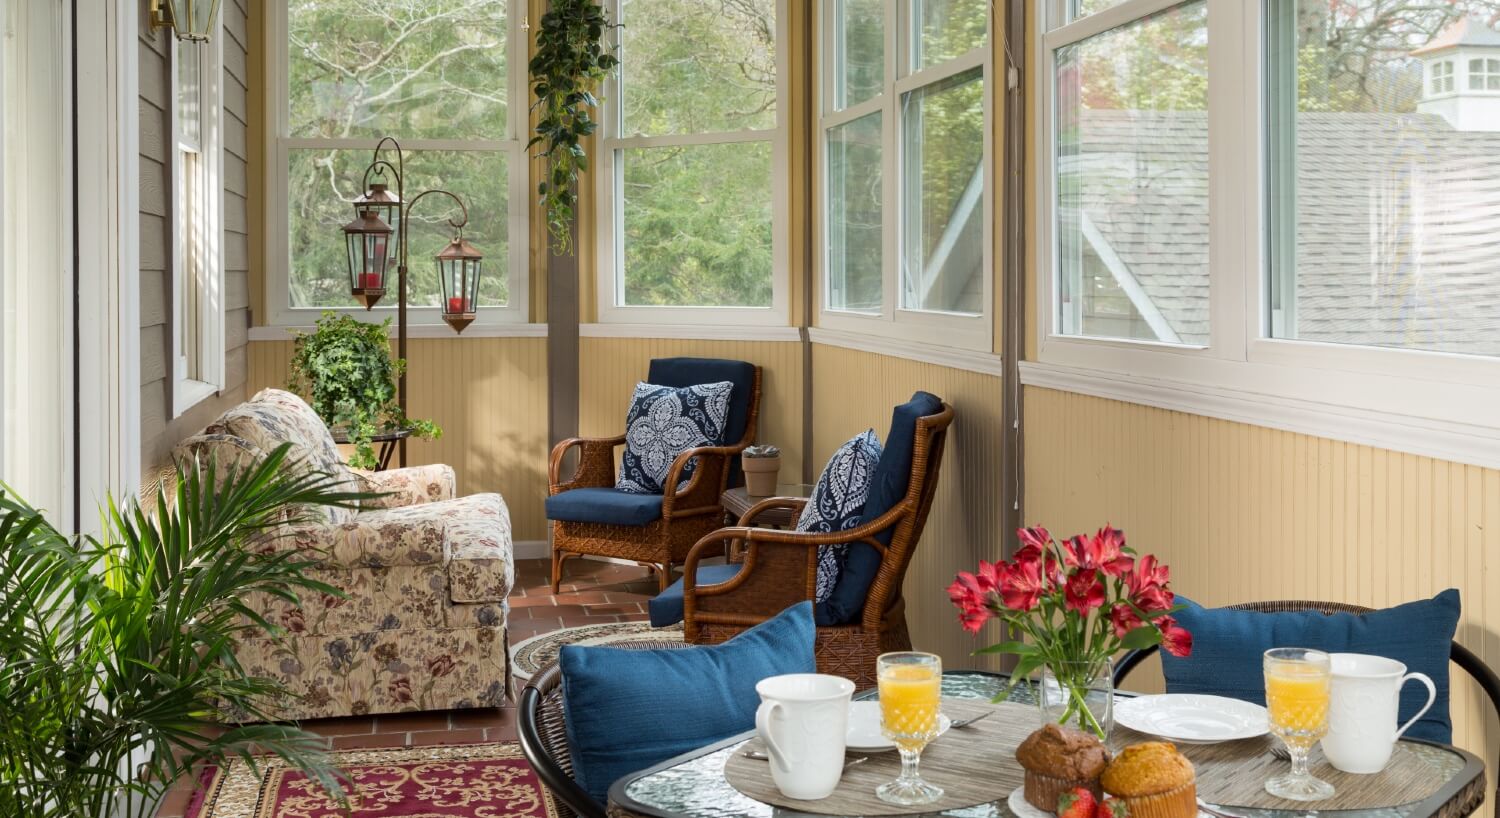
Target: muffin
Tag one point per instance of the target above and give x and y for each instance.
(1154, 781)
(1056, 760)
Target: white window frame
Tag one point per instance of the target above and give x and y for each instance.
(188, 391)
(944, 329)
(1483, 74)
(1444, 83)
(1434, 403)
(610, 233)
(515, 266)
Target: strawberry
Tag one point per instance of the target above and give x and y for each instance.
(1076, 804)
(1112, 808)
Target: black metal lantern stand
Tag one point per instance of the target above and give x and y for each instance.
(381, 220)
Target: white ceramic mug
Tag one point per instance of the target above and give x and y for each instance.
(803, 718)
(1362, 707)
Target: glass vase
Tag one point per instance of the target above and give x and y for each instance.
(1080, 695)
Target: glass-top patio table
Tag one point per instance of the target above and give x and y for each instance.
(693, 785)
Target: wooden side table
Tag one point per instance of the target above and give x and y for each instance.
(736, 502)
(387, 438)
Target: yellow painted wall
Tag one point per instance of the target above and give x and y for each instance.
(854, 391)
(1245, 513)
(610, 367)
(490, 397)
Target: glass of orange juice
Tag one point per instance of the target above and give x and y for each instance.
(911, 687)
(1297, 685)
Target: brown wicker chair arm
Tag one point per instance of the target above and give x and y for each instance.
(702, 493)
(793, 504)
(596, 463)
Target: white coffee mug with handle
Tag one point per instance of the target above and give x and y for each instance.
(1362, 708)
(803, 719)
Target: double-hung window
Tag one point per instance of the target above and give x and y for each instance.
(197, 204)
(905, 142)
(446, 79)
(692, 171)
(1274, 210)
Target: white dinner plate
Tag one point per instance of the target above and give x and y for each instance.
(1192, 718)
(1022, 808)
(864, 734)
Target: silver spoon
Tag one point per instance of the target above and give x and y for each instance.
(962, 723)
(759, 756)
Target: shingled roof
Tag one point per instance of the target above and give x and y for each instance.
(1398, 224)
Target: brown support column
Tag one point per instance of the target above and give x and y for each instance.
(562, 343)
(1013, 322)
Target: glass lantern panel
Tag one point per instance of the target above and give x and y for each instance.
(355, 247)
(471, 290)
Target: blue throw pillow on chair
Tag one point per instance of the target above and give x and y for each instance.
(1228, 645)
(838, 500)
(665, 421)
(627, 710)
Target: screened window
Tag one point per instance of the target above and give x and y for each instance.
(1442, 77)
(198, 263)
(693, 144)
(905, 165)
(1484, 75)
(443, 79)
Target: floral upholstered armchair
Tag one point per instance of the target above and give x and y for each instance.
(425, 574)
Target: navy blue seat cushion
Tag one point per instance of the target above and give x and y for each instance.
(666, 607)
(690, 371)
(836, 502)
(665, 421)
(627, 710)
(887, 489)
(602, 505)
(1228, 645)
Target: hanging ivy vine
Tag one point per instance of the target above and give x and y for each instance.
(571, 59)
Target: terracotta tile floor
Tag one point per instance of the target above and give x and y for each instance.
(592, 592)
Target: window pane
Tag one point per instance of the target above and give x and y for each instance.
(942, 196)
(445, 80)
(697, 225)
(1388, 229)
(1132, 184)
(855, 257)
(944, 29)
(322, 185)
(1083, 8)
(859, 65)
(693, 67)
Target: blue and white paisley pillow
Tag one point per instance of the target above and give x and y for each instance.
(665, 421)
(838, 503)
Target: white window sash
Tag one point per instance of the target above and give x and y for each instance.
(515, 266)
(609, 232)
(961, 331)
(1404, 400)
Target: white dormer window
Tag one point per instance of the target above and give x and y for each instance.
(1442, 77)
(1484, 74)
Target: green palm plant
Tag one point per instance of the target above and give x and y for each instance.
(116, 652)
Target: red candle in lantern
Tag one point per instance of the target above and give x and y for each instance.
(459, 305)
(369, 280)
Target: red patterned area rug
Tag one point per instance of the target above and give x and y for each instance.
(488, 780)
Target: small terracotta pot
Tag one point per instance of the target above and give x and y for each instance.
(760, 475)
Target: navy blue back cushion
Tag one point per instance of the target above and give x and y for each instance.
(681, 372)
(1228, 645)
(627, 710)
(887, 489)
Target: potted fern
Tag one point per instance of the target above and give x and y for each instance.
(345, 371)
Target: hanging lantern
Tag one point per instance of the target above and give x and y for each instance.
(369, 243)
(458, 270)
(191, 20)
(386, 204)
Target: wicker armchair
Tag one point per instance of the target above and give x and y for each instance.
(1466, 659)
(781, 568)
(543, 729)
(660, 538)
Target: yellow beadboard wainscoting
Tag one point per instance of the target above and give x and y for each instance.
(855, 390)
(1244, 513)
(610, 367)
(490, 397)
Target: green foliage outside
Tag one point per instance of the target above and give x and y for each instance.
(346, 372)
(118, 651)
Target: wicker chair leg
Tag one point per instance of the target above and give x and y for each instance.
(558, 556)
(663, 577)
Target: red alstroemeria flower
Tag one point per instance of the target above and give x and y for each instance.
(1076, 553)
(1083, 591)
(989, 576)
(1124, 619)
(1150, 572)
(1175, 639)
(1021, 585)
(967, 592)
(1107, 550)
(1035, 537)
(1154, 598)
